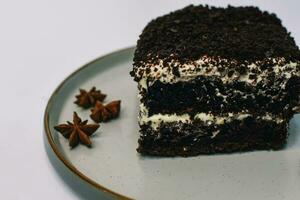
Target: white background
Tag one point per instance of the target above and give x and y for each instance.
(43, 41)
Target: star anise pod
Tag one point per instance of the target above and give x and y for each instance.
(88, 99)
(78, 131)
(103, 113)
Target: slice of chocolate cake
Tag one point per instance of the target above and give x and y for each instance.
(215, 80)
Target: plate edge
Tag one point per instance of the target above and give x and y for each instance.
(51, 141)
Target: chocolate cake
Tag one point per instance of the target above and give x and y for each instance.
(215, 80)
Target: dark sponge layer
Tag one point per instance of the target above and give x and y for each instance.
(178, 139)
(240, 33)
(205, 94)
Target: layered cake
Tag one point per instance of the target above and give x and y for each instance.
(215, 80)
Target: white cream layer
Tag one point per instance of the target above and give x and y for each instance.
(207, 118)
(202, 67)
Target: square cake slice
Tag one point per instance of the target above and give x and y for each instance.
(215, 80)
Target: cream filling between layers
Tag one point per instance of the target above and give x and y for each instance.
(189, 71)
(207, 118)
(200, 67)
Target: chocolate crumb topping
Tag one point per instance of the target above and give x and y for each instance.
(239, 33)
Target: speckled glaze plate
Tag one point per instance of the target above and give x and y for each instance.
(114, 168)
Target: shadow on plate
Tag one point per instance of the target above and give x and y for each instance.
(294, 136)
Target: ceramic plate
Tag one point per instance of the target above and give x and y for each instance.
(114, 167)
